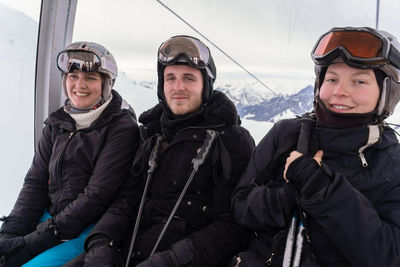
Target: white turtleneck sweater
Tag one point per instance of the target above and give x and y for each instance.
(84, 120)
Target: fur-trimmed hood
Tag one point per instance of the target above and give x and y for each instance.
(220, 112)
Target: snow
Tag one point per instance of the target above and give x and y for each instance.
(17, 65)
(257, 129)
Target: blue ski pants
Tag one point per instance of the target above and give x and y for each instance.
(62, 253)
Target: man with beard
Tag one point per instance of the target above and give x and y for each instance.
(194, 153)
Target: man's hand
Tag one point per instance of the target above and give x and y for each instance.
(102, 252)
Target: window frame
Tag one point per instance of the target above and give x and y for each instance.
(56, 26)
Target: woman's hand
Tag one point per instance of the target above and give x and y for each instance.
(296, 154)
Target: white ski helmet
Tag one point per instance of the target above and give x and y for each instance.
(88, 57)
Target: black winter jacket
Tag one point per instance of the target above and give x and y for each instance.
(76, 175)
(353, 210)
(204, 215)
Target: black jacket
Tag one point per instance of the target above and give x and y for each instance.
(204, 215)
(76, 175)
(353, 210)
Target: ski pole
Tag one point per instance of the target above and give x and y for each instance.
(294, 241)
(197, 161)
(287, 256)
(152, 167)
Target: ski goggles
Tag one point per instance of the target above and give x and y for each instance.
(84, 61)
(359, 47)
(194, 51)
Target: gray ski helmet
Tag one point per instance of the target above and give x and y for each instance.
(182, 55)
(390, 66)
(87, 57)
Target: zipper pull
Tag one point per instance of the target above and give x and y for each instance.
(363, 160)
(269, 261)
(70, 135)
(238, 261)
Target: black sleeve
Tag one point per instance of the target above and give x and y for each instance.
(118, 221)
(269, 202)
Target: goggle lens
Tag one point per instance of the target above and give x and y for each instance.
(359, 44)
(78, 60)
(191, 49)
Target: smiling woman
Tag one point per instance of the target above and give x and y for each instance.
(83, 158)
(349, 90)
(84, 89)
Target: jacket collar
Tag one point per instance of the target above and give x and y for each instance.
(356, 139)
(115, 108)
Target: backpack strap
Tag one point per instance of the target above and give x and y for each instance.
(222, 159)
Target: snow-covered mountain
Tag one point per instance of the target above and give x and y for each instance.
(274, 108)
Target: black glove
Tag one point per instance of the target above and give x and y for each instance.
(288, 201)
(19, 250)
(308, 175)
(13, 252)
(101, 251)
(181, 254)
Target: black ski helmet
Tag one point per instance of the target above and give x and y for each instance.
(183, 49)
(387, 60)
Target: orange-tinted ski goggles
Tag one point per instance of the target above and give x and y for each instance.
(359, 47)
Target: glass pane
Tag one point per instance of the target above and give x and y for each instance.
(271, 39)
(19, 30)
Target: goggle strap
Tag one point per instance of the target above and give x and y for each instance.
(394, 57)
(382, 100)
(209, 73)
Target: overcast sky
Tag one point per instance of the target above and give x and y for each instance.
(269, 37)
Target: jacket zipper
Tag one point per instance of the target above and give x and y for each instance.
(59, 162)
(373, 137)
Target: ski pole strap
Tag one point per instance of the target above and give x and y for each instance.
(199, 159)
(154, 154)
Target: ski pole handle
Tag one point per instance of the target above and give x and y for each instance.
(199, 159)
(154, 154)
